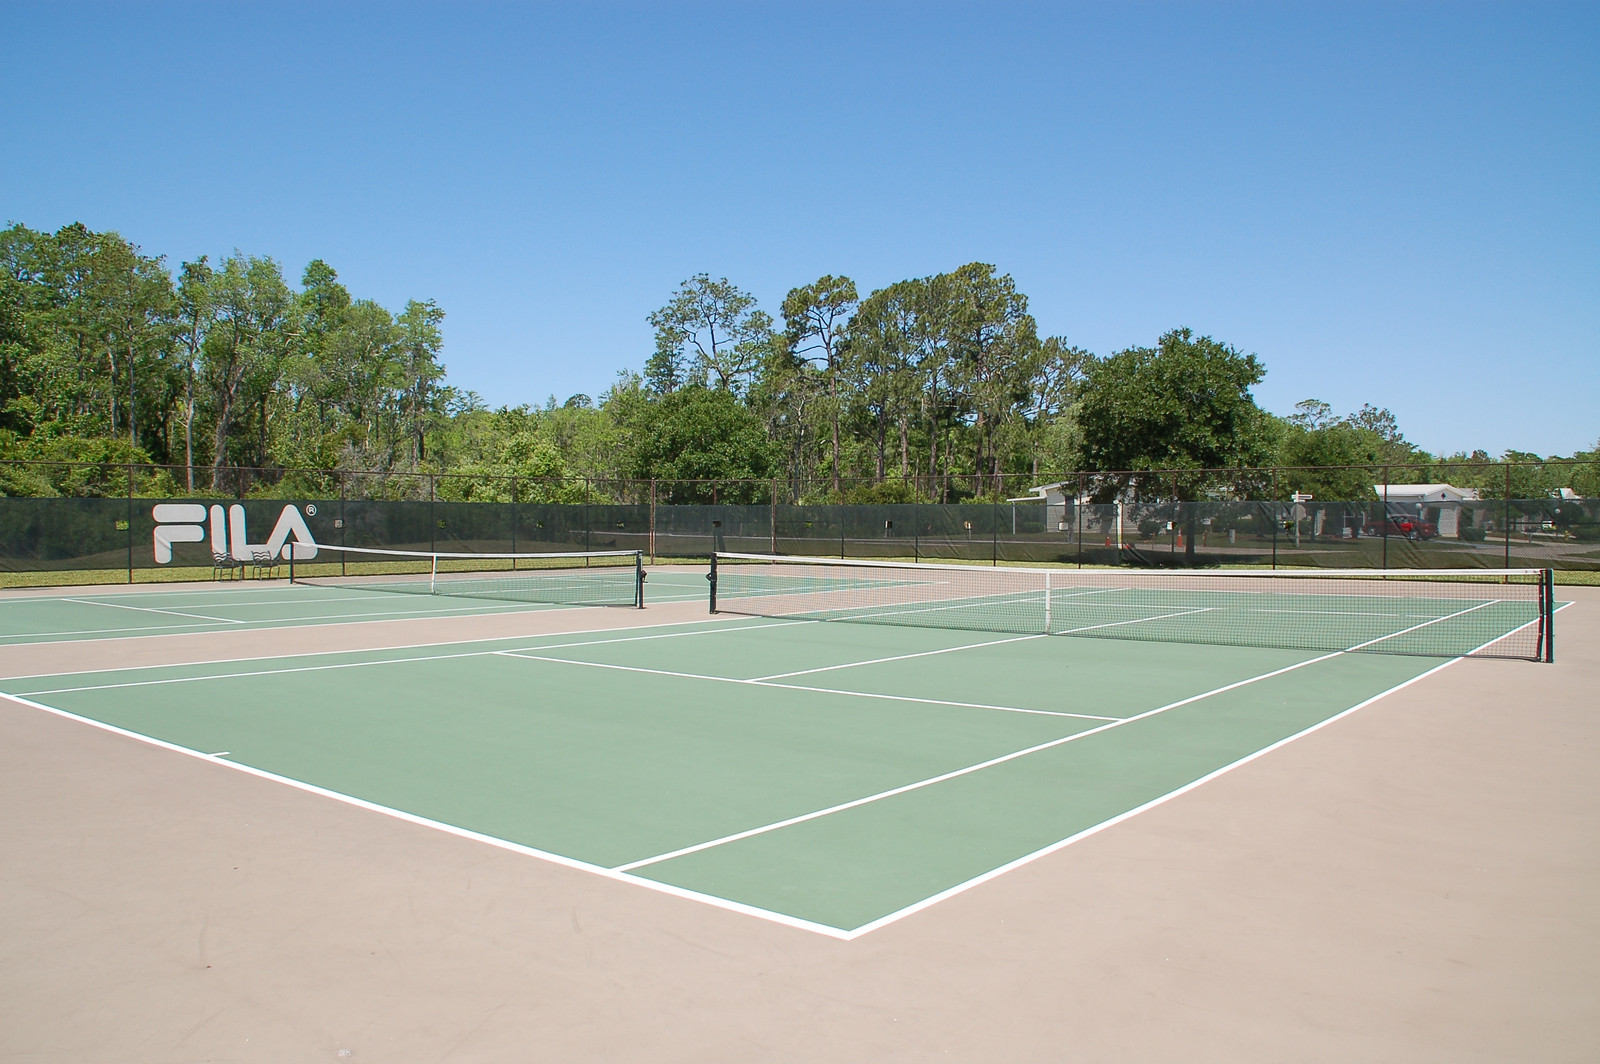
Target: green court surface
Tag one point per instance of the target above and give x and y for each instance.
(245, 605)
(831, 776)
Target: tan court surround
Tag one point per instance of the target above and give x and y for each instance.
(1418, 882)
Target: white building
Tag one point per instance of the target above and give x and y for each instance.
(1447, 498)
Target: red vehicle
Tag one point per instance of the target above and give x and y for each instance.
(1402, 526)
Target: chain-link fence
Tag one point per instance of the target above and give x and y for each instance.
(66, 522)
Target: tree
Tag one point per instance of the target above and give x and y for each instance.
(1327, 445)
(880, 364)
(719, 324)
(703, 434)
(1053, 429)
(418, 348)
(196, 312)
(1184, 404)
(1311, 415)
(817, 318)
(997, 351)
(244, 350)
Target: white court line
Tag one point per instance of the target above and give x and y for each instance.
(279, 623)
(899, 657)
(1334, 613)
(367, 650)
(152, 609)
(794, 687)
(941, 778)
(451, 829)
(1425, 624)
(361, 664)
(995, 873)
(1138, 620)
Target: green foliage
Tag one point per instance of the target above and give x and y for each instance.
(703, 434)
(1184, 404)
(887, 491)
(937, 384)
(709, 333)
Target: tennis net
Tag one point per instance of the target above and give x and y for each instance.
(589, 578)
(1440, 612)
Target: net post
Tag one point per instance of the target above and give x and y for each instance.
(1548, 619)
(1047, 602)
(433, 574)
(712, 577)
(638, 570)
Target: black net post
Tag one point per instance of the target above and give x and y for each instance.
(712, 578)
(1547, 618)
(638, 575)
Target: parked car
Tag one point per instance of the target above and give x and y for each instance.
(1402, 526)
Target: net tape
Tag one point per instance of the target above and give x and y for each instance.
(581, 578)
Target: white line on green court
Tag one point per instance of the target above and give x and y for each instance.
(361, 650)
(796, 687)
(510, 607)
(897, 657)
(1436, 620)
(152, 609)
(450, 829)
(994, 873)
(378, 661)
(1138, 620)
(278, 623)
(942, 777)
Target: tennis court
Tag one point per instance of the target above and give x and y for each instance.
(323, 594)
(430, 808)
(835, 777)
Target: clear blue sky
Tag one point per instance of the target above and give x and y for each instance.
(1389, 203)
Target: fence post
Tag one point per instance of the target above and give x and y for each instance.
(513, 520)
(994, 533)
(1272, 504)
(1077, 513)
(652, 520)
(1508, 515)
(1385, 518)
(433, 518)
(772, 519)
(130, 522)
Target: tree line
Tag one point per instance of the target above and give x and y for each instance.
(937, 388)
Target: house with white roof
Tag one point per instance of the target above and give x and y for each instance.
(1447, 498)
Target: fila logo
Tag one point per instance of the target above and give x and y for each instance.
(186, 522)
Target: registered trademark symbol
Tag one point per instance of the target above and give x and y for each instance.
(311, 509)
